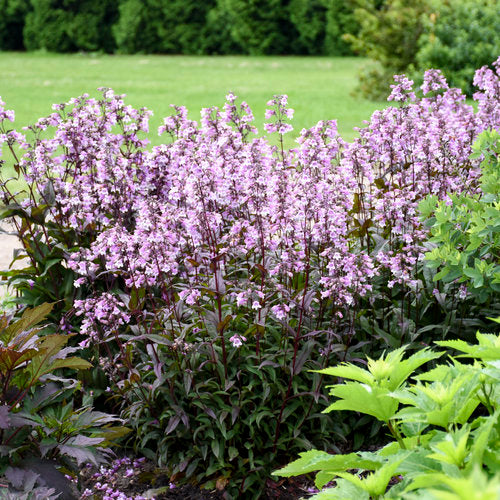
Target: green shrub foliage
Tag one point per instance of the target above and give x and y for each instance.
(459, 36)
(340, 21)
(320, 25)
(400, 36)
(309, 19)
(178, 27)
(444, 424)
(217, 37)
(162, 26)
(466, 228)
(263, 26)
(70, 25)
(389, 33)
(12, 23)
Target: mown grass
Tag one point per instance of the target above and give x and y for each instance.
(319, 88)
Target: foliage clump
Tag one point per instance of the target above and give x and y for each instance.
(458, 37)
(444, 424)
(207, 276)
(39, 427)
(455, 37)
(466, 229)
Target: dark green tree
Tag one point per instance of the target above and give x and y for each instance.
(309, 19)
(162, 26)
(263, 26)
(70, 25)
(12, 23)
(340, 20)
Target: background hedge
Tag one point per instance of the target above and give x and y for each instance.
(400, 36)
(254, 27)
(69, 25)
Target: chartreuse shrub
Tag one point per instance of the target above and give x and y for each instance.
(389, 33)
(444, 423)
(455, 36)
(207, 276)
(40, 428)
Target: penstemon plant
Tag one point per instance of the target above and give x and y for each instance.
(208, 275)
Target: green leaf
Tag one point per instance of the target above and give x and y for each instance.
(481, 439)
(216, 449)
(73, 362)
(452, 449)
(323, 478)
(375, 484)
(487, 350)
(233, 453)
(349, 371)
(403, 369)
(29, 319)
(343, 491)
(362, 398)
(315, 460)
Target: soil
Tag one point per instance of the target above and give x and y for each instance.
(148, 477)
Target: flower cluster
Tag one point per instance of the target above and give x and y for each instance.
(186, 211)
(106, 481)
(216, 213)
(408, 152)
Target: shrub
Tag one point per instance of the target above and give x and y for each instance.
(211, 275)
(340, 20)
(444, 425)
(12, 23)
(262, 26)
(309, 19)
(161, 26)
(458, 37)
(388, 34)
(466, 229)
(320, 26)
(69, 25)
(217, 38)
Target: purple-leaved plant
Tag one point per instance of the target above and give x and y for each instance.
(218, 253)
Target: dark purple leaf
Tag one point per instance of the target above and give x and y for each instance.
(235, 411)
(20, 478)
(172, 424)
(185, 419)
(4, 417)
(210, 412)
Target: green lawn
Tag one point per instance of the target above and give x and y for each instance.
(318, 88)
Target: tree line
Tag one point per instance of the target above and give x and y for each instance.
(255, 27)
